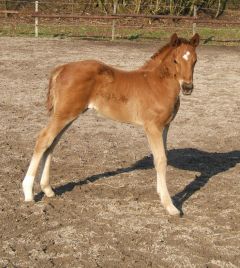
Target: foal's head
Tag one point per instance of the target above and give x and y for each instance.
(184, 58)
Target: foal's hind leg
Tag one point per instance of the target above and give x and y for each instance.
(44, 142)
(45, 168)
(44, 173)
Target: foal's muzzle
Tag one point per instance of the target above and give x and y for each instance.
(187, 88)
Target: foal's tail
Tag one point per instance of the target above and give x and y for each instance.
(51, 88)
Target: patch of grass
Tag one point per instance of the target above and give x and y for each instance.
(209, 35)
(222, 34)
(17, 30)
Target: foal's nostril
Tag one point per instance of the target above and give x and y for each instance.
(187, 86)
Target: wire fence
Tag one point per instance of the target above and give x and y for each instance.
(73, 19)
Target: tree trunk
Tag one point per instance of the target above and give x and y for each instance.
(221, 7)
(138, 6)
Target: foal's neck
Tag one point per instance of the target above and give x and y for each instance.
(166, 69)
(162, 65)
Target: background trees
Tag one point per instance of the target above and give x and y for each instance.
(161, 7)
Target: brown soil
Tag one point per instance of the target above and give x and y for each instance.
(107, 212)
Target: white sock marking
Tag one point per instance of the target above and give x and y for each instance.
(27, 185)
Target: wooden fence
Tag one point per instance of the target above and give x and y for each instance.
(194, 20)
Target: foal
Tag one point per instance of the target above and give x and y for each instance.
(148, 97)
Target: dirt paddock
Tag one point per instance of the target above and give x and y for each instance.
(106, 212)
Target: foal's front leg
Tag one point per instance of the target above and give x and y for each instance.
(164, 136)
(155, 139)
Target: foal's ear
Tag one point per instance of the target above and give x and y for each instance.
(174, 40)
(195, 40)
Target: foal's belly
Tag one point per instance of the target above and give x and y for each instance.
(124, 112)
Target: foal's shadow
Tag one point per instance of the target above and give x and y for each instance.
(205, 163)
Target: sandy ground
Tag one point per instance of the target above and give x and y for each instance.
(107, 212)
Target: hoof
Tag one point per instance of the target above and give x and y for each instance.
(28, 199)
(28, 195)
(48, 191)
(172, 210)
(52, 194)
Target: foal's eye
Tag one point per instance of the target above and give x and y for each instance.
(175, 62)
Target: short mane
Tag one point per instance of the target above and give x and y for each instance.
(160, 51)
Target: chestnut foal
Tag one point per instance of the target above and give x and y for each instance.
(148, 96)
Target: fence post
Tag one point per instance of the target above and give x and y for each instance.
(72, 9)
(36, 19)
(115, 3)
(6, 8)
(194, 26)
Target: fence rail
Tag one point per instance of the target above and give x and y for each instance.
(118, 16)
(194, 20)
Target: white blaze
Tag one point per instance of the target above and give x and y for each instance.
(186, 55)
